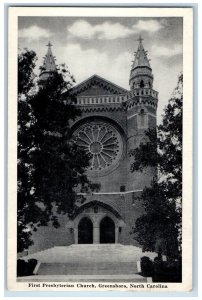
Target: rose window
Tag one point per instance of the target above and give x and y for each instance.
(102, 141)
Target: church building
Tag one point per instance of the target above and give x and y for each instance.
(113, 121)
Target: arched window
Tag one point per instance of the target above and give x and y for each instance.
(142, 118)
(141, 83)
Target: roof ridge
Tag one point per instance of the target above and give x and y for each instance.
(99, 77)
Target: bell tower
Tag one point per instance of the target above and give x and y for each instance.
(141, 112)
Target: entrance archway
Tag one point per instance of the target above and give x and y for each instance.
(107, 231)
(85, 231)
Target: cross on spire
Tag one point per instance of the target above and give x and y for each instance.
(49, 45)
(140, 39)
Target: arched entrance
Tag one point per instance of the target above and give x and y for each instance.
(85, 231)
(107, 231)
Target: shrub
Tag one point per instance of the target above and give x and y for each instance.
(25, 268)
(146, 266)
(167, 271)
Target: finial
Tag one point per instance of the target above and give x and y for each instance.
(140, 39)
(49, 44)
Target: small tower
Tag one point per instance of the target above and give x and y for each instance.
(141, 73)
(141, 112)
(49, 66)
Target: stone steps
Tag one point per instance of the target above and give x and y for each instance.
(85, 278)
(94, 268)
(89, 253)
(88, 260)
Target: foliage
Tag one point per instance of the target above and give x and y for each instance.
(159, 228)
(26, 64)
(51, 167)
(59, 163)
(167, 271)
(25, 201)
(146, 266)
(26, 268)
(161, 271)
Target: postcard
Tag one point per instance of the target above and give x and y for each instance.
(100, 149)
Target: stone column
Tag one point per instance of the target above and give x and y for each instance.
(116, 234)
(76, 235)
(96, 233)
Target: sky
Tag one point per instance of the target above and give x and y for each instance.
(105, 46)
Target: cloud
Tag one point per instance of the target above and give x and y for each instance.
(106, 30)
(110, 31)
(166, 51)
(34, 33)
(83, 63)
(148, 25)
(82, 29)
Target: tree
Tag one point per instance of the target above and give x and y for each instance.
(25, 199)
(159, 228)
(55, 167)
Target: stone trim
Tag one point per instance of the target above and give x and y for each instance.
(131, 116)
(135, 114)
(142, 92)
(95, 203)
(102, 99)
(104, 210)
(110, 193)
(102, 108)
(36, 268)
(140, 101)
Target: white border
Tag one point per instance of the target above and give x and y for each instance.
(187, 125)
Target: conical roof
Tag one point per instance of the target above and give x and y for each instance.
(49, 61)
(141, 59)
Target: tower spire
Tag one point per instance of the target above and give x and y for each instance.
(141, 59)
(49, 65)
(49, 60)
(141, 70)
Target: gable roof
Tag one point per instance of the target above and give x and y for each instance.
(103, 86)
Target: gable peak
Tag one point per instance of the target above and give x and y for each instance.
(96, 84)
